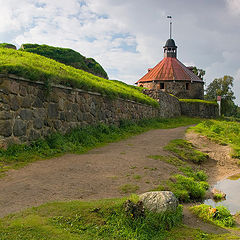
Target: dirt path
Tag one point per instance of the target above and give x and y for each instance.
(103, 171)
(98, 174)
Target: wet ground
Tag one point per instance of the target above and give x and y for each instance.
(230, 186)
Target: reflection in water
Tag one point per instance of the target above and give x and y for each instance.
(230, 186)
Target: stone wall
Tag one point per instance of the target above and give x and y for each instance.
(178, 88)
(169, 105)
(199, 109)
(27, 112)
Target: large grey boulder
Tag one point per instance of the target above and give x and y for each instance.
(159, 201)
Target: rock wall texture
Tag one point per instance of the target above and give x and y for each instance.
(198, 109)
(27, 112)
(169, 105)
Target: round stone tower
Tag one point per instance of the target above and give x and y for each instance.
(172, 76)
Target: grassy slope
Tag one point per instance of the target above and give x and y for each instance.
(68, 57)
(39, 68)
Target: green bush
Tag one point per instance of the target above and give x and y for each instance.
(220, 215)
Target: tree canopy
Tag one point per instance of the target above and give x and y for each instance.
(197, 71)
(223, 87)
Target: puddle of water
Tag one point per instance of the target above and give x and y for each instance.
(230, 186)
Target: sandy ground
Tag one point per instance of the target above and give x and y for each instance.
(101, 172)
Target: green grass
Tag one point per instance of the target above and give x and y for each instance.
(168, 159)
(137, 177)
(38, 68)
(218, 196)
(81, 140)
(187, 189)
(128, 188)
(222, 132)
(186, 151)
(220, 215)
(190, 186)
(68, 57)
(198, 101)
(104, 219)
(95, 220)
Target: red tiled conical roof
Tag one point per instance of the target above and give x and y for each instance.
(170, 69)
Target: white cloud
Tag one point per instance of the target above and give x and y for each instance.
(127, 37)
(234, 6)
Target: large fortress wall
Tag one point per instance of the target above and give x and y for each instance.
(28, 110)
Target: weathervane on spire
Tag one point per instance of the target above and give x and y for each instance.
(170, 17)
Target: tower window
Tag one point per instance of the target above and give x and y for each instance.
(161, 85)
(187, 86)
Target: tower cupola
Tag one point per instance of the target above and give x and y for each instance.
(170, 49)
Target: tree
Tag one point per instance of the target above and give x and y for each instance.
(197, 71)
(222, 87)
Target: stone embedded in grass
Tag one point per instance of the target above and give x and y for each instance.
(159, 201)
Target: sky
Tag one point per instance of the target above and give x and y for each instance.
(127, 36)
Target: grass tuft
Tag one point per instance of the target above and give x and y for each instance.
(128, 188)
(220, 215)
(168, 159)
(185, 151)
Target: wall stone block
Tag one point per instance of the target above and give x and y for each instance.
(19, 128)
(5, 128)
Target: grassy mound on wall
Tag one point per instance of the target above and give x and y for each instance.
(197, 101)
(39, 68)
(68, 57)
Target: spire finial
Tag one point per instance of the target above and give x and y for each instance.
(170, 18)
